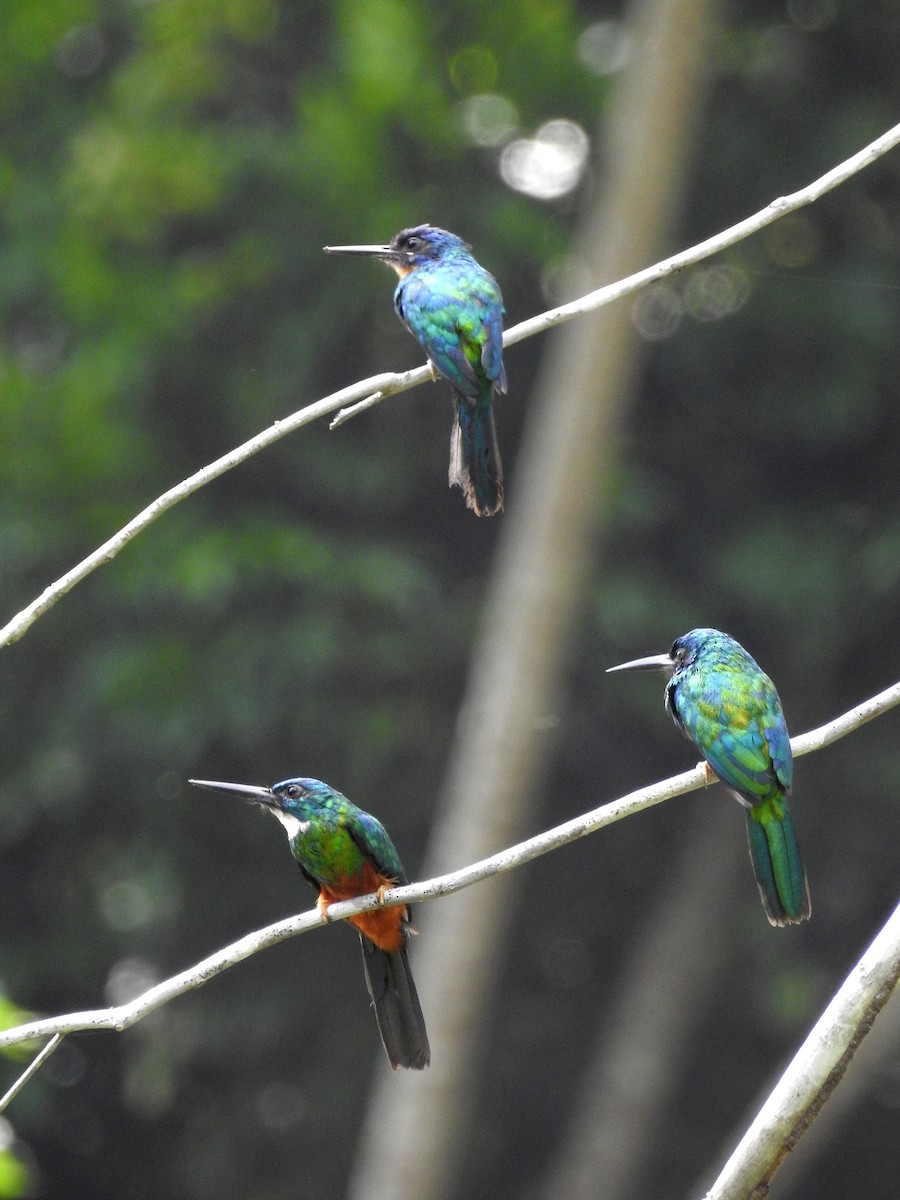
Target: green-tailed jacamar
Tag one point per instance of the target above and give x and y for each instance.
(345, 852)
(454, 309)
(728, 707)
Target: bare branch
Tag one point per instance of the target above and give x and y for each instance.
(121, 1016)
(815, 1071)
(364, 394)
(384, 384)
(32, 1069)
(720, 241)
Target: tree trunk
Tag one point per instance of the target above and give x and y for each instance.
(557, 502)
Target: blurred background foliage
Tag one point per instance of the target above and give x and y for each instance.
(169, 171)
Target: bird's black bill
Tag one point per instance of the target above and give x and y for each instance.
(658, 662)
(250, 792)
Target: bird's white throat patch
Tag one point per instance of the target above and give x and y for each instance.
(292, 825)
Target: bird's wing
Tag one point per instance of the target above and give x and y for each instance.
(725, 724)
(483, 329)
(372, 839)
(777, 737)
(459, 324)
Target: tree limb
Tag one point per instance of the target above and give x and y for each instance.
(815, 1071)
(369, 391)
(121, 1016)
(32, 1069)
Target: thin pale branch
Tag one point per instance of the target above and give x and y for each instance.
(32, 1069)
(364, 394)
(815, 1071)
(110, 548)
(685, 258)
(122, 1016)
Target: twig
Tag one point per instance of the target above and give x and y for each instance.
(354, 399)
(354, 410)
(33, 1067)
(121, 1016)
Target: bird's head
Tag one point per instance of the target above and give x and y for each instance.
(684, 652)
(409, 249)
(289, 800)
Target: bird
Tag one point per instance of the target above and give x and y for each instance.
(725, 704)
(345, 852)
(453, 308)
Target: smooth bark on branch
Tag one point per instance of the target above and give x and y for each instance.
(815, 1071)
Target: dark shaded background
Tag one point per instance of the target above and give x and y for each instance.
(168, 174)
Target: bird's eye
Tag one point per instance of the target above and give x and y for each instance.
(294, 791)
(413, 243)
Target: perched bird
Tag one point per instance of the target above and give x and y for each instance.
(729, 708)
(453, 308)
(345, 852)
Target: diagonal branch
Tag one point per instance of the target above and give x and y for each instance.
(121, 1016)
(32, 1069)
(367, 392)
(815, 1071)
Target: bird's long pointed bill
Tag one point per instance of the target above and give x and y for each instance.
(370, 251)
(248, 790)
(652, 661)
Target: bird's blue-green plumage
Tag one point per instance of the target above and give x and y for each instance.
(454, 309)
(345, 852)
(335, 840)
(728, 707)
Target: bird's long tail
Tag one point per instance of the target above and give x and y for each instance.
(779, 870)
(475, 456)
(397, 1009)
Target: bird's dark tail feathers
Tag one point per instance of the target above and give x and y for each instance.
(779, 870)
(397, 1010)
(475, 456)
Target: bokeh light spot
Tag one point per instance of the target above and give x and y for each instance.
(126, 904)
(657, 312)
(604, 47)
(548, 165)
(128, 979)
(487, 119)
(715, 293)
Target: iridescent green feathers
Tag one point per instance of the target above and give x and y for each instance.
(453, 308)
(345, 852)
(332, 839)
(730, 710)
(728, 707)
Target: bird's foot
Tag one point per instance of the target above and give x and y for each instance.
(435, 373)
(322, 906)
(709, 775)
(382, 890)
